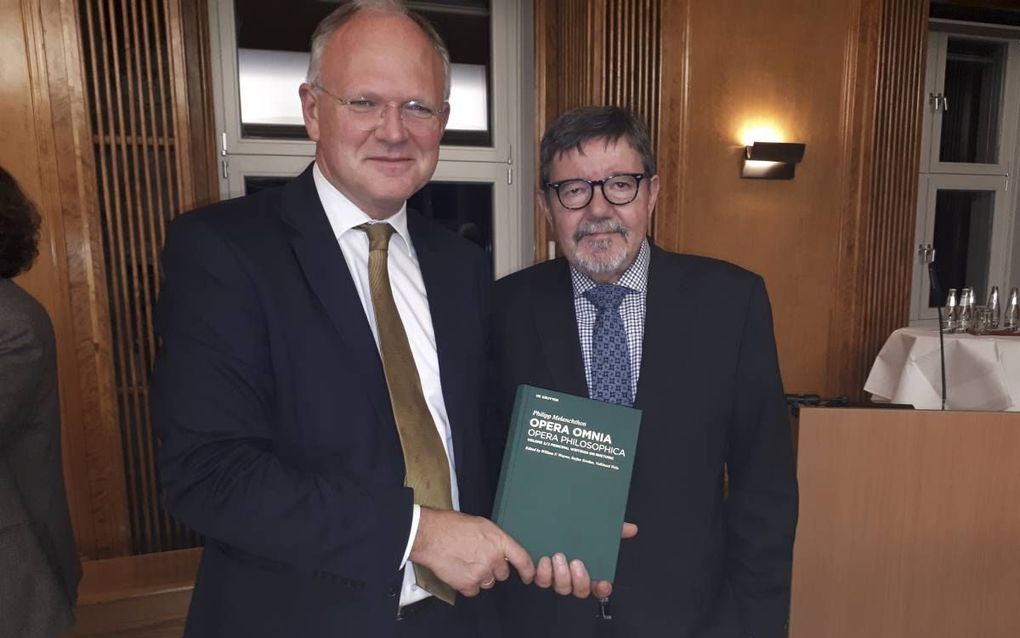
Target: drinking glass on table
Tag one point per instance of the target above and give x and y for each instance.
(982, 320)
(966, 312)
(949, 318)
(994, 309)
(1011, 320)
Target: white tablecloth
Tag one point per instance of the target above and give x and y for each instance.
(982, 373)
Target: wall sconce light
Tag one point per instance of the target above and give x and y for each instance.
(771, 160)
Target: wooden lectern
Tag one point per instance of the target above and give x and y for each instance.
(909, 525)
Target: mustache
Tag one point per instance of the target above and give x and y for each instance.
(600, 227)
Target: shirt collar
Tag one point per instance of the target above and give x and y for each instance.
(344, 215)
(635, 277)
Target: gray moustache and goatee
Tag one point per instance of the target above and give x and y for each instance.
(599, 227)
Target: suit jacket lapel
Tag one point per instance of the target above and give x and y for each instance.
(555, 321)
(326, 270)
(665, 324)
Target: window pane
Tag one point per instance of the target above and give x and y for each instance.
(963, 239)
(975, 71)
(466, 208)
(272, 58)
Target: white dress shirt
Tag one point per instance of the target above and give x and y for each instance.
(412, 303)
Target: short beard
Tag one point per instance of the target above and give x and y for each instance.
(592, 264)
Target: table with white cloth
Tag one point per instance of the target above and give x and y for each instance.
(982, 372)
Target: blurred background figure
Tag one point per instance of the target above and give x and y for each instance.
(39, 569)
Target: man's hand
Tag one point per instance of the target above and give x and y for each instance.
(573, 578)
(468, 553)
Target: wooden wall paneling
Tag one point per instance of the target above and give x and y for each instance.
(581, 70)
(857, 145)
(201, 158)
(152, 213)
(137, 280)
(117, 158)
(749, 64)
(632, 58)
(45, 142)
(88, 294)
(143, 596)
(594, 56)
(176, 73)
(546, 50)
(875, 251)
(671, 143)
(143, 145)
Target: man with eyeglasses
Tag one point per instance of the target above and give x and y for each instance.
(688, 340)
(319, 393)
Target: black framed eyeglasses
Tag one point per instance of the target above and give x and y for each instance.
(367, 113)
(618, 190)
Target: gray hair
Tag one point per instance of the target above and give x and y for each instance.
(342, 14)
(576, 127)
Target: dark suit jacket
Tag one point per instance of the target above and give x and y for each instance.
(39, 569)
(277, 437)
(712, 398)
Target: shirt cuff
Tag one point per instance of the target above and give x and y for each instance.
(415, 515)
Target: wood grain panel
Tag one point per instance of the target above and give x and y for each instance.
(112, 579)
(135, 51)
(787, 231)
(908, 526)
(136, 596)
(875, 250)
(673, 114)
(159, 615)
(202, 163)
(631, 58)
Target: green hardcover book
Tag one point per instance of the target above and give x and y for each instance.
(566, 475)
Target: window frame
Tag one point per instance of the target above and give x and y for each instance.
(1004, 257)
(998, 258)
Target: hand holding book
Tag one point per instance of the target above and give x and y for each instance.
(469, 553)
(573, 579)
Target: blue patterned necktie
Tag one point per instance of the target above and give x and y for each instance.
(610, 355)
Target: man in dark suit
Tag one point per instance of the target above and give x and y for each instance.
(39, 568)
(318, 394)
(688, 340)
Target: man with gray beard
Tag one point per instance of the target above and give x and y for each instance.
(688, 340)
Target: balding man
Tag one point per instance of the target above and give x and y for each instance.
(318, 394)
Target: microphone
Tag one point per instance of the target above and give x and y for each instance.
(933, 280)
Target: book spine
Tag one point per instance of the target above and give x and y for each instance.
(513, 445)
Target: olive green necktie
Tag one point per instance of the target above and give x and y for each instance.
(428, 470)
